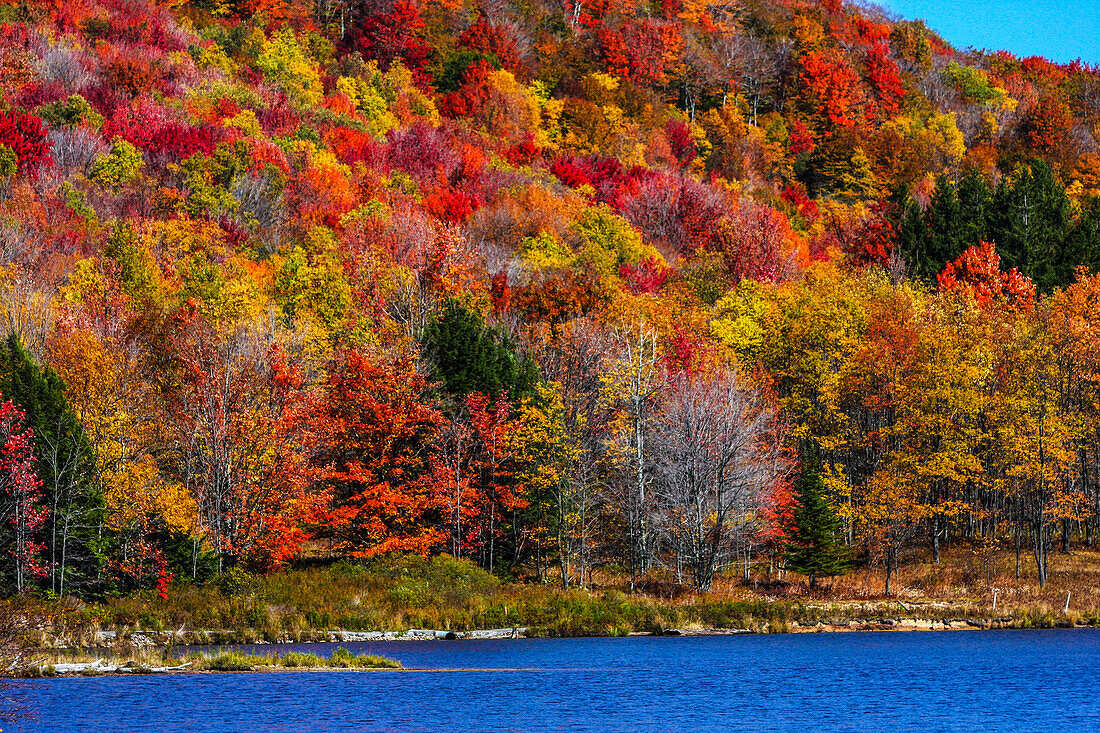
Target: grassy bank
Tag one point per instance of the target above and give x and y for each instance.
(151, 661)
(397, 594)
(401, 593)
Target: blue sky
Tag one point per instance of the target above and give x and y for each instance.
(1061, 31)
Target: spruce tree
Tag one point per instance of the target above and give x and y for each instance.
(975, 199)
(1082, 243)
(945, 227)
(913, 237)
(814, 547)
(469, 356)
(1030, 216)
(64, 462)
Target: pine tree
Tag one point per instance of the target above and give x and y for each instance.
(944, 225)
(975, 198)
(1030, 217)
(1082, 243)
(813, 545)
(469, 356)
(64, 462)
(913, 237)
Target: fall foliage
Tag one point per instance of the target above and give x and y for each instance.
(551, 287)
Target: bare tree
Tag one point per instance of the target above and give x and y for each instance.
(69, 458)
(635, 381)
(452, 459)
(76, 148)
(66, 65)
(336, 15)
(749, 61)
(715, 463)
(262, 203)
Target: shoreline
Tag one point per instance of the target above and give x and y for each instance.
(224, 638)
(141, 639)
(113, 671)
(117, 668)
(412, 599)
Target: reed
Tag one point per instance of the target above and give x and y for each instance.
(400, 593)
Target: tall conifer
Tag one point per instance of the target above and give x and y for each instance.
(814, 546)
(64, 462)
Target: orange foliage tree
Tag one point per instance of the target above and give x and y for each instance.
(374, 434)
(831, 86)
(977, 273)
(231, 401)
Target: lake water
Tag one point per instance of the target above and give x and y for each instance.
(917, 681)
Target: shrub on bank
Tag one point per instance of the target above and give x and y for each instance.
(234, 661)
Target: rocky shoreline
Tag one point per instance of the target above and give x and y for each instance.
(903, 624)
(154, 639)
(149, 640)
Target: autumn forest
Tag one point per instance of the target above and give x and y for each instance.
(665, 291)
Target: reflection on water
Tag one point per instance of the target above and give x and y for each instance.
(918, 681)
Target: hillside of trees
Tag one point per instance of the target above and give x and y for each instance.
(667, 290)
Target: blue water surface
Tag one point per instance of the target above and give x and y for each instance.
(917, 681)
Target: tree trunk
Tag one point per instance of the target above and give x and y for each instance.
(1040, 553)
(1017, 539)
(563, 556)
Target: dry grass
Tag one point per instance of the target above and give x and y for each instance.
(396, 594)
(964, 583)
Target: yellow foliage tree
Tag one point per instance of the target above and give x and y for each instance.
(283, 60)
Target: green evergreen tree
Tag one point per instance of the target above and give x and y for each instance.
(73, 531)
(912, 231)
(1082, 243)
(469, 356)
(944, 218)
(954, 220)
(814, 547)
(1029, 220)
(975, 198)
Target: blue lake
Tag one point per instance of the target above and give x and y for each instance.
(917, 681)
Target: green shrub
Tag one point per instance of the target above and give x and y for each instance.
(9, 162)
(234, 581)
(120, 166)
(298, 659)
(74, 110)
(233, 662)
(345, 659)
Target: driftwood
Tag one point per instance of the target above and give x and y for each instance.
(514, 632)
(153, 639)
(99, 667)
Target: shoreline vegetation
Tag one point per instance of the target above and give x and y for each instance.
(161, 661)
(155, 658)
(414, 598)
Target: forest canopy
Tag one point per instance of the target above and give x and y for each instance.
(659, 288)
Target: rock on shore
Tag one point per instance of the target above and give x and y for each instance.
(148, 639)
